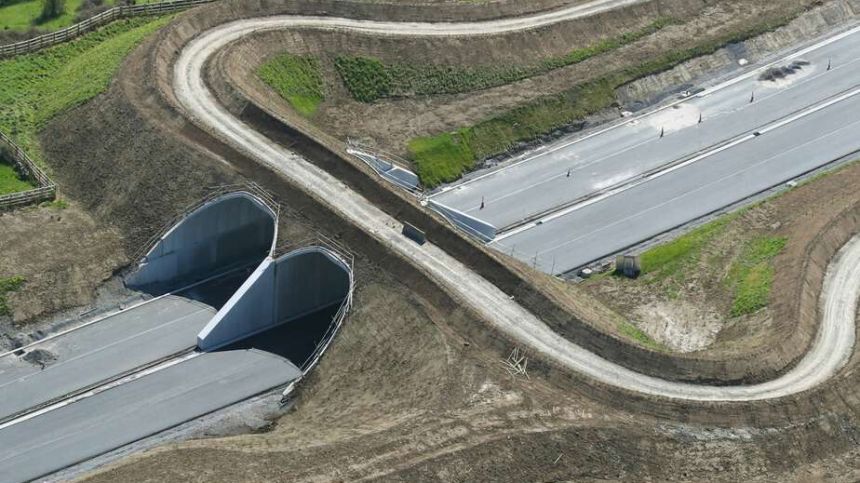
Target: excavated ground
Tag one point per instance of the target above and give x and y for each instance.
(745, 352)
(413, 388)
(391, 123)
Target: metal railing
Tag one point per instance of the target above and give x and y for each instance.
(45, 189)
(92, 23)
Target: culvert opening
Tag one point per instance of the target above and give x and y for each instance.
(290, 306)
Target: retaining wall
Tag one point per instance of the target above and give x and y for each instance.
(232, 230)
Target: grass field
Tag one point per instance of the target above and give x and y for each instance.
(22, 15)
(9, 180)
(36, 87)
(297, 79)
(445, 157)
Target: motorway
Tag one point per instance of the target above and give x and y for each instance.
(831, 349)
(125, 376)
(139, 335)
(86, 428)
(578, 201)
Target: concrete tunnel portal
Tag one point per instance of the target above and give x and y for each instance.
(290, 305)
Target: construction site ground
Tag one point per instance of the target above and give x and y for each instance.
(408, 390)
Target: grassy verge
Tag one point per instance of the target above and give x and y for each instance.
(499, 134)
(36, 87)
(8, 285)
(368, 79)
(632, 332)
(668, 259)
(297, 79)
(751, 275)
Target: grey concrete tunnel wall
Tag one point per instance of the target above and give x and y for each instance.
(296, 284)
(233, 230)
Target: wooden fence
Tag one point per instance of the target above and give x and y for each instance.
(45, 188)
(92, 23)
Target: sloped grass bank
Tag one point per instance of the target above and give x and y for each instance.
(368, 79)
(36, 87)
(445, 157)
(297, 79)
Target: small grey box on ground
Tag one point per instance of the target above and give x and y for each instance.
(414, 234)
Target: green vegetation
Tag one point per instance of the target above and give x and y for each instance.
(443, 157)
(10, 182)
(51, 9)
(23, 15)
(544, 115)
(297, 79)
(368, 79)
(36, 87)
(667, 260)
(751, 275)
(8, 285)
(58, 203)
(631, 331)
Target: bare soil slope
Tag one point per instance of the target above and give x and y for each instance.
(63, 254)
(413, 388)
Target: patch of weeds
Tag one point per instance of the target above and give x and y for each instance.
(751, 275)
(631, 331)
(366, 78)
(8, 285)
(297, 79)
(668, 259)
(59, 204)
(443, 157)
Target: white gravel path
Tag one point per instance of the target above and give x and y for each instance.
(832, 347)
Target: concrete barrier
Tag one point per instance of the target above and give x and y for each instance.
(232, 230)
(297, 284)
(388, 169)
(471, 225)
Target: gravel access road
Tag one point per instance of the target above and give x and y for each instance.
(831, 349)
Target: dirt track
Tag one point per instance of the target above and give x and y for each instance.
(358, 408)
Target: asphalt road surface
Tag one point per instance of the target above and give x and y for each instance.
(544, 204)
(827, 355)
(126, 413)
(92, 354)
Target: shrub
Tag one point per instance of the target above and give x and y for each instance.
(366, 78)
(51, 9)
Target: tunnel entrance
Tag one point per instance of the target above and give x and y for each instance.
(296, 340)
(227, 234)
(290, 306)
